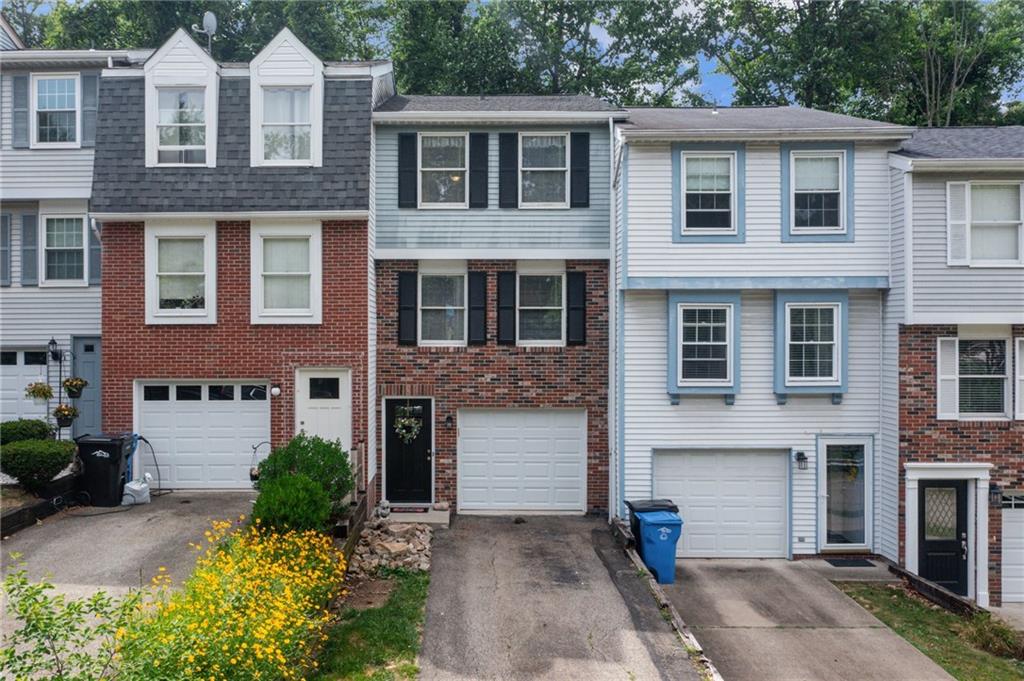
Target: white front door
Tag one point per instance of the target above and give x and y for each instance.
(323, 404)
(733, 503)
(1013, 549)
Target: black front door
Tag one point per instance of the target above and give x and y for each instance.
(942, 533)
(408, 450)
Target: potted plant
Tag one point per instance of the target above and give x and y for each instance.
(40, 392)
(74, 385)
(65, 414)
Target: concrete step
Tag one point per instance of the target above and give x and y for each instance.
(431, 517)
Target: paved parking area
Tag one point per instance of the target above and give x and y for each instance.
(551, 598)
(777, 620)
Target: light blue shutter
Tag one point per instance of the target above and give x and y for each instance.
(90, 104)
(95, 254)
(5, 250)
(19, 110)
(29, 250)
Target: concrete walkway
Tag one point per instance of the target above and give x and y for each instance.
(776, 620)
(552, 598)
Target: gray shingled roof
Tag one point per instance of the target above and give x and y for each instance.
(752, 118)
(431, 103)
(977, 142)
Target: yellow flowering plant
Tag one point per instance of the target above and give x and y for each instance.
(256, 607)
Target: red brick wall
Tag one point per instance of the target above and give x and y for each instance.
(923, 438)
(233, 347)
(500, 376)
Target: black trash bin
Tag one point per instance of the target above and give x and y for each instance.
(104, 461)
(642, 506)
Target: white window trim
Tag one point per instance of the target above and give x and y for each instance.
(34, 142)
(836, 342)
(693, 383)
(869, 486)
(705, 231)
(156, 131)
(531, 272)
(817, 153)
(955, 379)
(420, 203)
(258, 232)
(568, 168)
(1019, 384)
(207, 231)
(969, 224)
(314, 80)
(41, 247)
(419, 308)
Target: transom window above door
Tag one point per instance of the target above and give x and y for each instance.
(181, 274)
(709, 193)
(973, 378)
(544, 170)
(56, 105)
(63, 253)
(540, 310)
(287, 125)
(817, 201)
(442, 309)
(442, 170)
(286, 274)
(181, 126)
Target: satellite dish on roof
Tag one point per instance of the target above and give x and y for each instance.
(208, 29)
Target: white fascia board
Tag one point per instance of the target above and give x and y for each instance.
(492, 254)
(955, 164)
(255, 215)
(1008, 317)
(123, 73)
(385, 117)
(364, 70)
(778, 135)
(27, 57)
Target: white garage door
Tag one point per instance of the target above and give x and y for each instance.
(1013, 551)
(203, 433)
(522, 460)
(733, 504)
(18, 368)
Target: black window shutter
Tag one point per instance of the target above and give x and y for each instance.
(407, 308)
(506, 308)
(19, 121)
(477, 308)
(576, 294)
(407, 170)
(579, 175)
(29, 250)
(5, 250)
(90, 105)
(95, 256)
(508, 170)
(478, 142)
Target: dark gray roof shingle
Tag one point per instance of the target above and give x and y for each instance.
(976, 142)
(432, 103)
(752, 118)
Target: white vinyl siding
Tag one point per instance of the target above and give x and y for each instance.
(652, 253)
(756, 420)
(1018, 389)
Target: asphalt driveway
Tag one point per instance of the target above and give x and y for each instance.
(767, 620)
(88, 549)
(551, 598)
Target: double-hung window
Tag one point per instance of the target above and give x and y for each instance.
(540, 309)
(817, 199)
(442, 309)
(442, 170)
(709, 193)
(985, 224)
(974, 378)
(705, 344)
(544, 170)
(56, 105)
(181, 286)
(181, 126)
(63, 254)
(286, 274)
(812, 344)
(287, 126)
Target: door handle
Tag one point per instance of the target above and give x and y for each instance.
(430, 454)
(963, 548)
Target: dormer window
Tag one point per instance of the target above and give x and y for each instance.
(181, 131)
(55, 101)
(286, 124)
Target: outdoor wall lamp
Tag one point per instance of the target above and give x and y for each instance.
(995, 495)
(801, 461)
(54, 349)
(275, 390)
(448, 421)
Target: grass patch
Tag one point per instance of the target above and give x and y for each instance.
(948, 639)
(379, 644)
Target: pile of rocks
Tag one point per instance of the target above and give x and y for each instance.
(384, 544)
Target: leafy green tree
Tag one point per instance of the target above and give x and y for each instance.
(26, 19)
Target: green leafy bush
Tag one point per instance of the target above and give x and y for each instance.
(24, 429)
(292, 503)
(323, 461)
(994, 636)
(33, 463)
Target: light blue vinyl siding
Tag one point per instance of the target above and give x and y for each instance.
(491, 227)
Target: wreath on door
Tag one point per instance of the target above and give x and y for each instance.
(406, 425)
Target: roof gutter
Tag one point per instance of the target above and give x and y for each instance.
(770, 135)
(101, 57)
(921, 165)
(240, 215)
(495, 116)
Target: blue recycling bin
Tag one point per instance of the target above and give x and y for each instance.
(659, 533)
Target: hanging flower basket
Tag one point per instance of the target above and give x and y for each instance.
(407, 426)
(65, 415)
(73, 386)
(40, 392)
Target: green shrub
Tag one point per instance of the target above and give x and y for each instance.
(292, 503)
(323, 461)
(33, 463)
(24, 429)
(992, 635)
